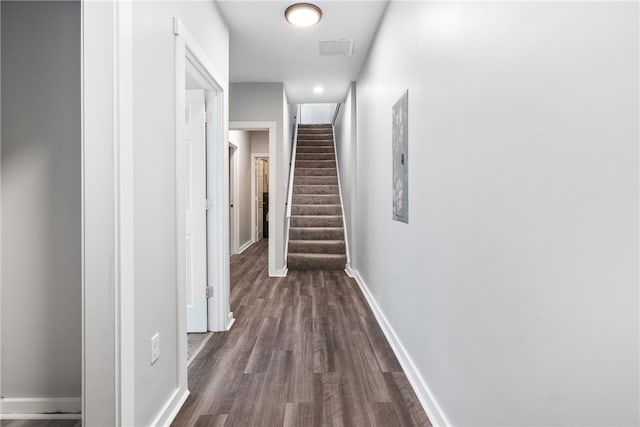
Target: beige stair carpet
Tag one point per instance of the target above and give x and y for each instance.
(316, 233)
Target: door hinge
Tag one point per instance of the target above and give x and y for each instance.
(209, 291)
(208, 117)
(208, 204)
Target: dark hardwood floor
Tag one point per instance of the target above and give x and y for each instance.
(305, 350)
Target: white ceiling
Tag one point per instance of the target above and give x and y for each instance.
(265, 48)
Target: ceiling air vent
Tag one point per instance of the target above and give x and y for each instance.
(336, 47)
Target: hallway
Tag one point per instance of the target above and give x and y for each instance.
(305, 350)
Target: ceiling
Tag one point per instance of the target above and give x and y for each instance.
(265, 48)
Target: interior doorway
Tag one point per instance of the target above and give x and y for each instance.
(270, 153)
(233, 200)
(193, 72)
(260, 197)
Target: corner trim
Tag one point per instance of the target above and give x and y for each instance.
(169, 411)
(230, 321)
(21, 408)
(279, 272)
(423, 392)
(244, 247)
(350, 272)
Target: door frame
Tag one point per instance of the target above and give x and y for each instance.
(188, 54)
(271, 127)
(254, 194)
(233, 184)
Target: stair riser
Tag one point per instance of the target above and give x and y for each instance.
(317, 126)
(300, 171)
(311, 149)
(315, 189)
(316, 199)
(314, 137)
(315, 156)
(315, 143)
(315, 180)
(316, 247)
(330, 164)
(312, 130)
(330, 262)
(316, 221)
(316, 234)
(316, 210)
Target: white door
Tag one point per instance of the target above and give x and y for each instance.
(196, 220)
(259, 198)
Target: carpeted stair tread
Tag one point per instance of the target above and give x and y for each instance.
(315, 180)
(297, 261)
(336, 247)
(316, 199)
(315, 189)
(315, 156)
(300, 171)
(316, 221)
(315, 137)
(315, 143)
(316, 233)
(311, 149)
(315, 126)
(316, 210)
(319, 164)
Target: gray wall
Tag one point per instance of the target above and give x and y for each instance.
(514, 287)
(242, 140)
(264, 102)
(345, 133)
(41, 163)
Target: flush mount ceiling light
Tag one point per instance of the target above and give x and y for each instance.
(318, 89)
(303, 14)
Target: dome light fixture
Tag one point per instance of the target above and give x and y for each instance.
(318, 90)
(303, 14)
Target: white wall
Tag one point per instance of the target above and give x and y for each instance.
(41, 189)
(154, 184)
(345, 134)
(311, 114)
(243, 140)
(259, 141)
(264, 102)
(514, 287)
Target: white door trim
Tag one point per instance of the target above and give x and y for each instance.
(271, 127)
(107, 214)
(254, 194)
(187, 51)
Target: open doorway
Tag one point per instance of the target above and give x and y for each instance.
(260, 197)
(267, 132)
(201, 200)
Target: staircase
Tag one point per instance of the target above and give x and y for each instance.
(316, 233)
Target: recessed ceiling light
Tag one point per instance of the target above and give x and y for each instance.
(303, 14)
(318, 89)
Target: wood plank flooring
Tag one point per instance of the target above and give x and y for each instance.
(305, 350)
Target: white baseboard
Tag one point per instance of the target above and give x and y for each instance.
(62, 408)
(230, 320)
(245, 247)
(171, 408)
(425, 396)
(350, 271)
(279, 273)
